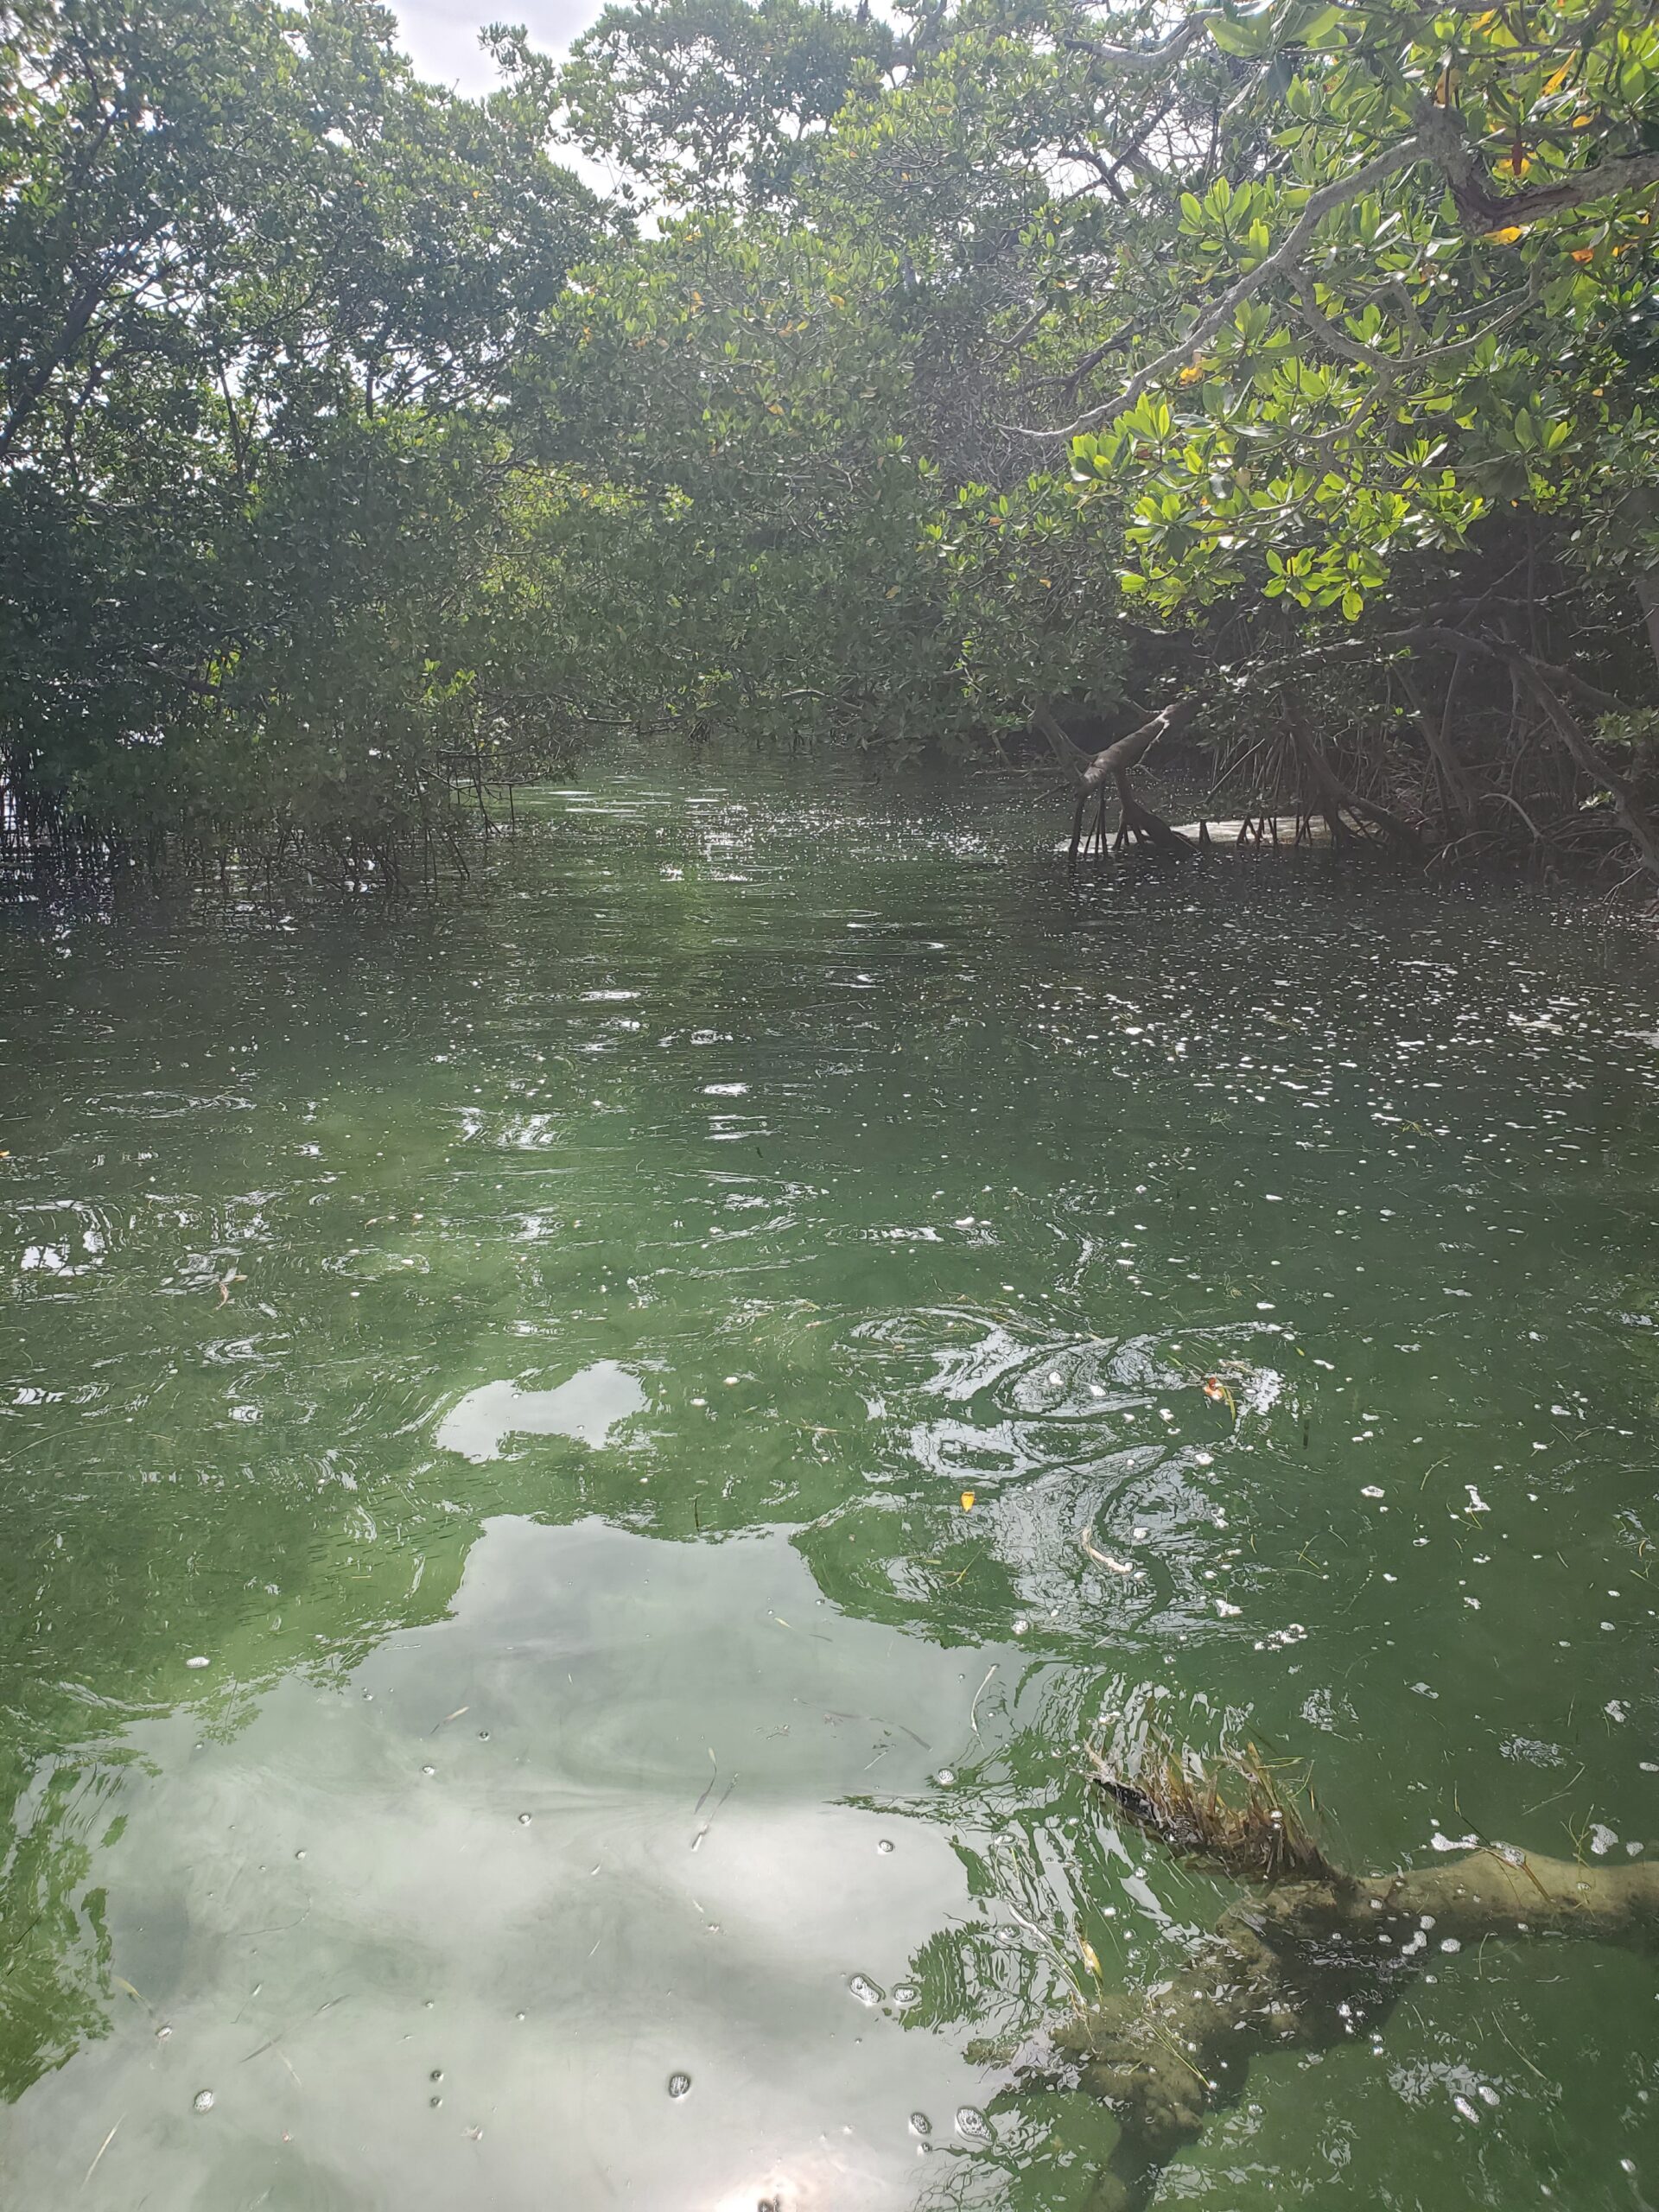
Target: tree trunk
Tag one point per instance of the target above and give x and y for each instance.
(1113, 765)
(1307, 1963)
(1309, 1967)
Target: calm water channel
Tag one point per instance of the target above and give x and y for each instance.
(576, 1465)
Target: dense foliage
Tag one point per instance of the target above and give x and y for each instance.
(260, 292)
(1031, 364)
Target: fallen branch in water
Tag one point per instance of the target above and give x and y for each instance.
(1312, 1959)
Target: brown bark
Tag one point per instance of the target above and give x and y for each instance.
(1113, 765)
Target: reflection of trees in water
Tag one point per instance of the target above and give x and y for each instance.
(55, 1948)
(59, 1977)
(1015, 1399)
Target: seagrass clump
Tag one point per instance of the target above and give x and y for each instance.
(1230, 1813)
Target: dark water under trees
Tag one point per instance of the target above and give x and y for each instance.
(539, 1350)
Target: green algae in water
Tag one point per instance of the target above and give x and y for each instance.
(536, 1350)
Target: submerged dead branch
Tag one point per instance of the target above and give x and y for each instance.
(1231, 1816)
(1310, 1960)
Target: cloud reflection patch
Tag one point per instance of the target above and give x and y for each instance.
(594, 1401)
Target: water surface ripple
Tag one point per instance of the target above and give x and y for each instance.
(575, 1465)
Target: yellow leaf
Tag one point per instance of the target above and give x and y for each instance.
(1516, 164)
(1584, 253)
(1554, 83)
(967, 1501)
(1509, 235)
(1088, 1957)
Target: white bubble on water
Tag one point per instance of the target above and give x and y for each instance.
(202, 2101)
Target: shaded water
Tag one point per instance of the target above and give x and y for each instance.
(666, 1393)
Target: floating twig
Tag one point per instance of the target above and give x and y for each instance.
(102, 2148)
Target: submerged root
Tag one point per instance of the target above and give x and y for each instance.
(1309, 1960)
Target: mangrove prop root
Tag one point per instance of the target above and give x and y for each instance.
(1309, 1962)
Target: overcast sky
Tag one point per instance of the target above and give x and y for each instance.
(442, 34)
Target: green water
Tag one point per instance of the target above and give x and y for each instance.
(536, 1350)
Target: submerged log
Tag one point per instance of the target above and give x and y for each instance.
(1315, 1958)
(1281, 833)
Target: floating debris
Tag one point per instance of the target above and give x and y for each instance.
(864, 1989)
(202, 2101)
(972, 2125)
(1104, 1559)
(679, 2085)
